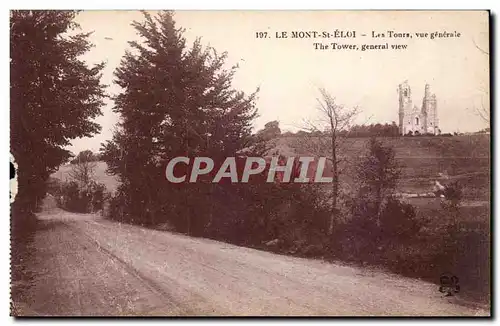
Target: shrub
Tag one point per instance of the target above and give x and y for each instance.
(73, 198)
(115, 207)
(453, 192)
(357, 237)
(54, 186)
(398, 220)
(366, 232)
(70, 193)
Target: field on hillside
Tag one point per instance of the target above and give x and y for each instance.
(423, 160)
(110, 181)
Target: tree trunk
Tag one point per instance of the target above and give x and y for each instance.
(335, 185)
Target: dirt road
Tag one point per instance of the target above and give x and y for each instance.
(89, 266)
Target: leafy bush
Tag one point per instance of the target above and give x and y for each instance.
(73, 198)
(97, 196)
(54, 186)
(398, 220)
(115, 207)
(453, 192)
(366, 232)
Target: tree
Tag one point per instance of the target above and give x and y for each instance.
(54, 97)
(175, 101)
(378, 218)
(83, 171)
(378, 173)
(85, 156)
(271, 131)
(334, 120)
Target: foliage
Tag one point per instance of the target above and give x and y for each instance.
(72, 197)
(189, 109)
(453, 191)
(334, 119)
(271, 131)
(398, 220)
(373, 130)
(453, 194)
(85, 156)
(54, 97)
(369, 231)
(377, 217)
(378, 173)
(83, 172)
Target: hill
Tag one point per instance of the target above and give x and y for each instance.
(111, 182)
(423, 159)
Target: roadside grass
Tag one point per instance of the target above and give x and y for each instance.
(21, 256)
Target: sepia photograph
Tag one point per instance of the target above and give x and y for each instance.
(231, 163)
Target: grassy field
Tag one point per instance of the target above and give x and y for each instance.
(423, 160)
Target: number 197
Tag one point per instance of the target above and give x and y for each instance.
(261, 34)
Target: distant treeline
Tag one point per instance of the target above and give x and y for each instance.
(375, 130)
(371, 130)
(86, 156)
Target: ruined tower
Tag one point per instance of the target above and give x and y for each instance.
(429, 110)
(405, 104)
(413, 120)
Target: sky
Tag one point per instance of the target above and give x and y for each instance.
(290, 71)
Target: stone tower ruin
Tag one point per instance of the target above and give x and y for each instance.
(413, 120)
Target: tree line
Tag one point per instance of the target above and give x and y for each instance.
(354, 131)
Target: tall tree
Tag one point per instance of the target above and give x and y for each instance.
(54, 97)
(83, 171)
(175, 101)
(328, 135)
(378, 173)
